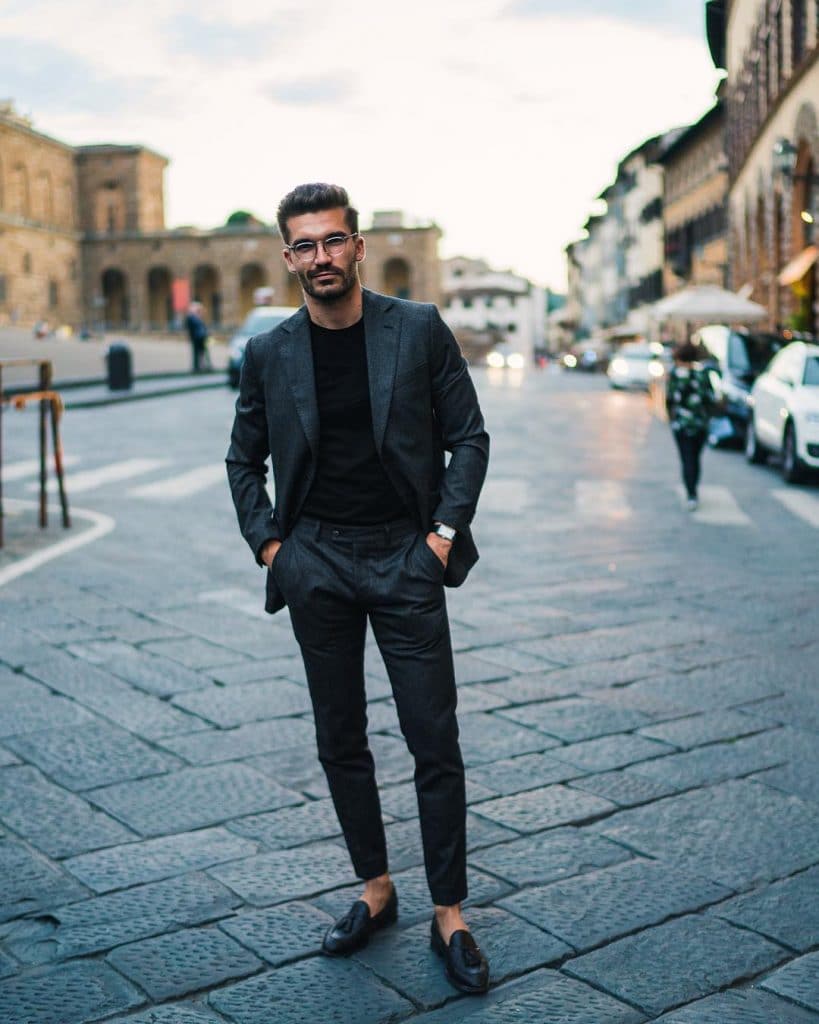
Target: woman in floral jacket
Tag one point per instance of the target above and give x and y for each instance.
(690, 400)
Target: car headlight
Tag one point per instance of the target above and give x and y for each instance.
(515, 361)
(656, 369)
(619, 366)
(495, 359)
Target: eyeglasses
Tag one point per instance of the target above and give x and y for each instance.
(333, 245)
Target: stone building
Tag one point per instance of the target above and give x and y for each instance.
(694, 199)
(770, 50)
(83, 241)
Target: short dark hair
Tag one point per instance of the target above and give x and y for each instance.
(312, 198)
(687, 352)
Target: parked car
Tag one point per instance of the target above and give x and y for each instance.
(505, 355)
(635, 365)
(736, 358)
(258, 320)
(784, 411)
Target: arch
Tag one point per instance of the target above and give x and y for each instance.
(19, 200)
(251, 277)
(114, 285)
(295, 296)
(206, 289)
(804, 202)
(160, 300)
(807, 127)
(398, 278)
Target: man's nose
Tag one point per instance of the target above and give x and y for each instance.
(322, 256)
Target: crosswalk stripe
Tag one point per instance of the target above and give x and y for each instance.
(31, 467)
(717, 507)
(183, 485)
(601, 500)
(803, 505)
(112, 473)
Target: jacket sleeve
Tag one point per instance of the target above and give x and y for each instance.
(246, 461)
(460, 422)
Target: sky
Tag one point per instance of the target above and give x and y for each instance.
(500, 120)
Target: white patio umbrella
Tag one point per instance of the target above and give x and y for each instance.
(708, 302)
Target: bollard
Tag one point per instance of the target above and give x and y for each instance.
(120, 371)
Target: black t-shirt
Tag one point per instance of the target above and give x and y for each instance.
(350, 485)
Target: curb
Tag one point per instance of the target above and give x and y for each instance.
(120, 397)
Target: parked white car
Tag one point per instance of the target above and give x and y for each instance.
(785, 411)
(635, 365)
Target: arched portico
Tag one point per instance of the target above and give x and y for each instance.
(251, 277)
(207, 290)
(398, 278)
(115, 295)
(160, 302)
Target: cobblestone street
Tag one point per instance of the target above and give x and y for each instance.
(639, 718)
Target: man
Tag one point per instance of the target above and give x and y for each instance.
(198, 334)
(355, 398)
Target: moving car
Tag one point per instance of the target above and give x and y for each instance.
(504, 355)
(784, 411)
(635, 365)
(736, 358)
(258, 320)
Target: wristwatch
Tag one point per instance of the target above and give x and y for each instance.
(447, 532)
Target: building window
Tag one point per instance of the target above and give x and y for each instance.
(26, 262)
(799, 31)
(53, 294)
(511, 328)
(112, 218)
(488, 301)
(467, 303)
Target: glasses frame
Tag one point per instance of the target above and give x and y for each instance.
(320, 242)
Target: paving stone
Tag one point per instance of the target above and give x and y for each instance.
(486, 737)
(16, 688)
(101, 692)
(414, 901)
(676, 962)
(150, 860)
(227, 627)
(55, 821)
(404, 960)
(576, 718)
(382, 717)
(333, 992)
(726, 685)
(613, 642)
(146, 671)
(599, 906)
(736, 833)
(8, 966)
(228, 706)
(548, 857)
(176, 1013)
(506, 658)
(128, 625)
(193, 652)
(539, 809)
(793, 779)
(18, 647)
(608, 752)
(797, 981)
(532, 687)
(787, 911)
(214, 745)
(69, 994)
(475, 698)
(278, 934)
(104, 922)
(517, 774)
(184, 961)
(259, 671)
(40, 712)
(406, 850)
(297, 768)
(696, 730)
(568, 682)
(400, 801)
(87, 755)
(748, 1006)
(542, 996)
(7, 758)
(192, 798)
(393, 761)
(281, 876)
(707, 765)
(624, 788)
(291, 826)
(29, 882)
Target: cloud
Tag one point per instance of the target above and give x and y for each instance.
(226, 41)
(675, 15)
(323, 90)
(48, 78)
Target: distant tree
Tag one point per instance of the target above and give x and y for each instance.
(242, 218)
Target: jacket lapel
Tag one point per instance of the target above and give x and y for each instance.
(298, 359)
(381, 336)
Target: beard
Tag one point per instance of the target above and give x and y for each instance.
(342, 283)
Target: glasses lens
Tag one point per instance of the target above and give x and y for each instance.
(304, 251)
(335, 243)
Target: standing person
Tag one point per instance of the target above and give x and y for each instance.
(355, 399)
(689, 401)
(198, 334)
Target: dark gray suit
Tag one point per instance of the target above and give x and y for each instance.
(333, 579)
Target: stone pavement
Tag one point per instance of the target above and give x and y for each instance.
(639, 717)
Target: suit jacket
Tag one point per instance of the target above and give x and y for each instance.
(423, 404)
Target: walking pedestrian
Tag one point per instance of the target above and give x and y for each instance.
(689, 401)
(198, 334)
(355, 399)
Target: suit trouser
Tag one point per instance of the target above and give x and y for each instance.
(334, 578)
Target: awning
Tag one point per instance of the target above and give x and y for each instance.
(799, 265)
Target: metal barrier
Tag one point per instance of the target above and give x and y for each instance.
(50, 402)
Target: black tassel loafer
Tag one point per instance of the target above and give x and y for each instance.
(464, 964)
(353, 931)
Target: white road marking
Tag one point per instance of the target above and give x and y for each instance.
(717, 507)
(31, 467)
(183, 485)
(803, 505)
(112, 473)
(100, 525)
(601, 500)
